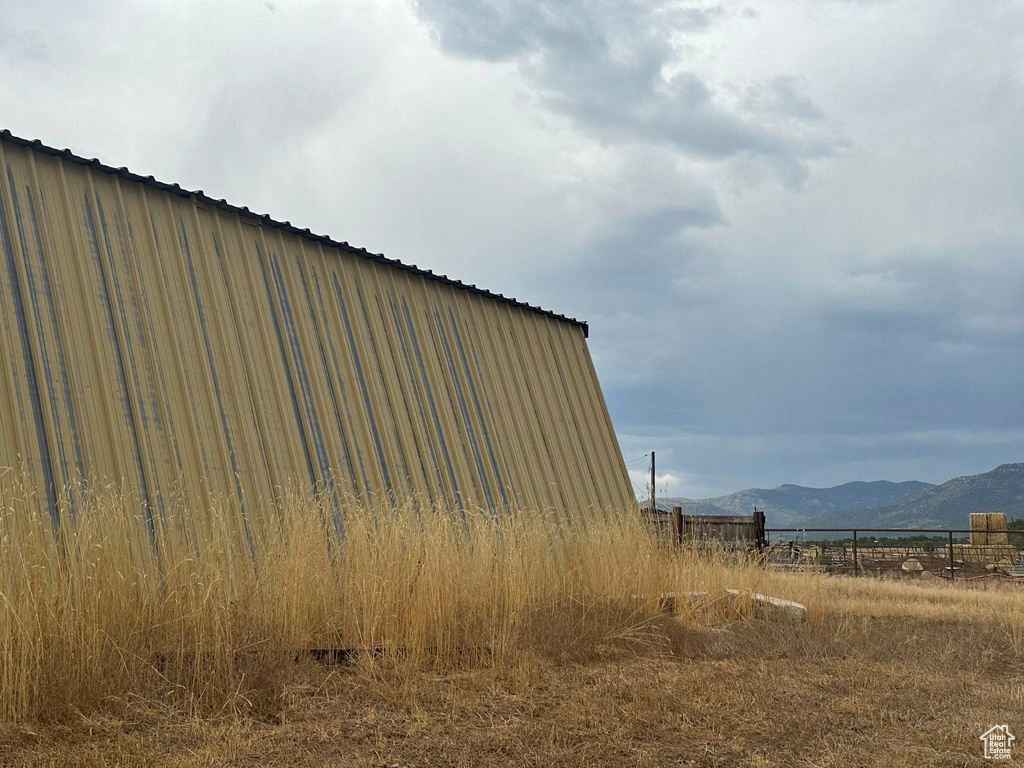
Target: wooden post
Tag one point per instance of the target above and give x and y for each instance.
(677, 525)
(952, 571)
(654, 508)
(854, 553)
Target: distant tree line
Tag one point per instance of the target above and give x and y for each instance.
(931, 540)
(924, 539)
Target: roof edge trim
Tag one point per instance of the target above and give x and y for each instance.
(287, 226)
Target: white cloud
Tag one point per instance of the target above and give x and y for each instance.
(666, 484)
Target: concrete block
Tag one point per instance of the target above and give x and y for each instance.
(769, 607)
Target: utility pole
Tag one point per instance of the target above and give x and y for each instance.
(653, 506)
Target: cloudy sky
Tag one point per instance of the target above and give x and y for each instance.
(796, 227)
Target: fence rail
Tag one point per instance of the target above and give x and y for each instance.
(857, 531)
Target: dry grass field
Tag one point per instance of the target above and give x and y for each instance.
(525, 640)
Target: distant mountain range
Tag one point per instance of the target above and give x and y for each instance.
(910, 504)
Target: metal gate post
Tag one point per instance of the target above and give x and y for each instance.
(854, 553)
(952, 572)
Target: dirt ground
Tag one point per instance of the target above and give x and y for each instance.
(849, 691)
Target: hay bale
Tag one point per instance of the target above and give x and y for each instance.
(997, 522)
(912, 564)
(979, 528)
(982, 523)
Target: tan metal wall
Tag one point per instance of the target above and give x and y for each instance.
(153, 336)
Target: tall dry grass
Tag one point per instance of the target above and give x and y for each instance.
(176, 605)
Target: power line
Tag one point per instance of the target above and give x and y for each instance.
(643, 491)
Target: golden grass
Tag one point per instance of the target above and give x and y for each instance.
(846, 690)
(104, 628)
(187, 609)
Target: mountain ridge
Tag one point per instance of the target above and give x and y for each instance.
(881, 503)
(949, 504)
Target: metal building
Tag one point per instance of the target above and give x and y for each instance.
(154, 336)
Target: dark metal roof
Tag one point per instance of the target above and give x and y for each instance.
(287, 226)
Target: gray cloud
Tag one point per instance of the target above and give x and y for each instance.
(922, 381)
(962, 297)
(781, 97)
(613, 67)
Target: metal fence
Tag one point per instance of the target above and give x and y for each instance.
(1007, 555)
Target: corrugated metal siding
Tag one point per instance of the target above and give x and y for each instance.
(159, 338)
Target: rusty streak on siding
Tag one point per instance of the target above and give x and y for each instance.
(154, 336)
